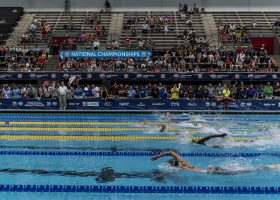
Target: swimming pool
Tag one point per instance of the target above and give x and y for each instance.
(107, 156)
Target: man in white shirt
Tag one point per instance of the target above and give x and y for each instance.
(96, 44)
(96, 91)
(62, 93)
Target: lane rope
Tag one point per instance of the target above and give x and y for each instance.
(106, 137)
(131, 154)
(99, 129)
(139, 189)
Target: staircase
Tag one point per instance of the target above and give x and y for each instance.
(52, 63)
(115, 29)
(19, 30)
(210, 29)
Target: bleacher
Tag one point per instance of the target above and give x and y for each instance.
(163, 40)
(9, 16)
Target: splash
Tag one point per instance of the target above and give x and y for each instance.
(196, 118)
(166, 167)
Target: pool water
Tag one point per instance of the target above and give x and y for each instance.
(90, 150)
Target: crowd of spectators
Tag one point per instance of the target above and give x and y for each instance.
(23, 59)
(193, 58)
(144, 91)
(233, 32)
(31, 35)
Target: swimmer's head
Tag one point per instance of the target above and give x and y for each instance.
(173, 162)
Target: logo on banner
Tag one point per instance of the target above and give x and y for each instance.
(19, 75)
(176, 76)
(207, 104)
(213, 76)
(158, 104)
(192, 104)
(250, 76)
(20, 103)
(124, 104)
(139, 76)
(49, 103)
(89, 75)
(140, 104)
(102, 76)
(65, 76)
(53, 75)
(125, 76)
(274, 76)
(237, 76)
(162, 76)
(34, 104)
(5, 76)
(175, 104)
(91, 104)
(109, 104)
(14, 103)
(67, 54)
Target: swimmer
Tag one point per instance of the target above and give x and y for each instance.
(145, 121)
(177, 161)
(162, 128)
(204, 139)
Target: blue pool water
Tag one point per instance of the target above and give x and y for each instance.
(62, 162)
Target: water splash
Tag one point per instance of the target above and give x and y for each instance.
(166, 167)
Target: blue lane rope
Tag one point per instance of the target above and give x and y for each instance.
(131, 154)
(139, 189)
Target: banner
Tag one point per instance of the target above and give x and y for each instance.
(105, 54)
(138, 77)
(141, 104)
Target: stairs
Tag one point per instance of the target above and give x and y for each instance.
(115, 29)
(52, 63)
(210, 29)
(19, 30)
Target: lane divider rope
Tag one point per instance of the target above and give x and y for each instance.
(130, 123)
(131, 154)
(105, 137)
(139, 189)
(103, 129)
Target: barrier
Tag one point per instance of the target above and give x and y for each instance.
(139, 189)
(132, 154)
(138, 76)
(141, 104)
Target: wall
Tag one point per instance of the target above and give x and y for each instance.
(210, 5)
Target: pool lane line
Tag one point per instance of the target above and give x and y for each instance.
(130, 154)
(131, 123)
(99, 129)
(230, 190)
(107, 137)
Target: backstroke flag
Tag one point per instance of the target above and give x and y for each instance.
(105, 54)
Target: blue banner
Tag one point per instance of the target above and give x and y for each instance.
(113, 76)
(141, 104)
(105, 54)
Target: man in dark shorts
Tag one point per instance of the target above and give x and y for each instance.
(177, 161)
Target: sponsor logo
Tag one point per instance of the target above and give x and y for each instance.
(141, 104)
(237, 76)
(175, 104)
(176, 76)
(232, 105)
(4, 76)
(54, 103)
(34, 104)
(124, 104)
(65, 76)
(32, 75)
(148, 76)
(213, 76)
(102, 76)
(91, 104)
(139, 76)
(269, 104)
(125, 76)
(274, 76)
(207, 104)
(89, 75)
(53, 75)
(14, 103)
(49, 103)
(158, 104)
(19, 75)
(242, 105)
(108, 104)
(162, 76)
(250, 76)
(200, 76)
(20, 103)
(278, 104)
(192, 104)
(249, 104)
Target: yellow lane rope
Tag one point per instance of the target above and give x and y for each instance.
(132, 123)
(96, 137)
(97, 129)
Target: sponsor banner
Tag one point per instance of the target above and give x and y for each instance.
(105, 54)
(180, 77)
(140, 104)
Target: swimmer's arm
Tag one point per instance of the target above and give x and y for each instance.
(168, 153)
